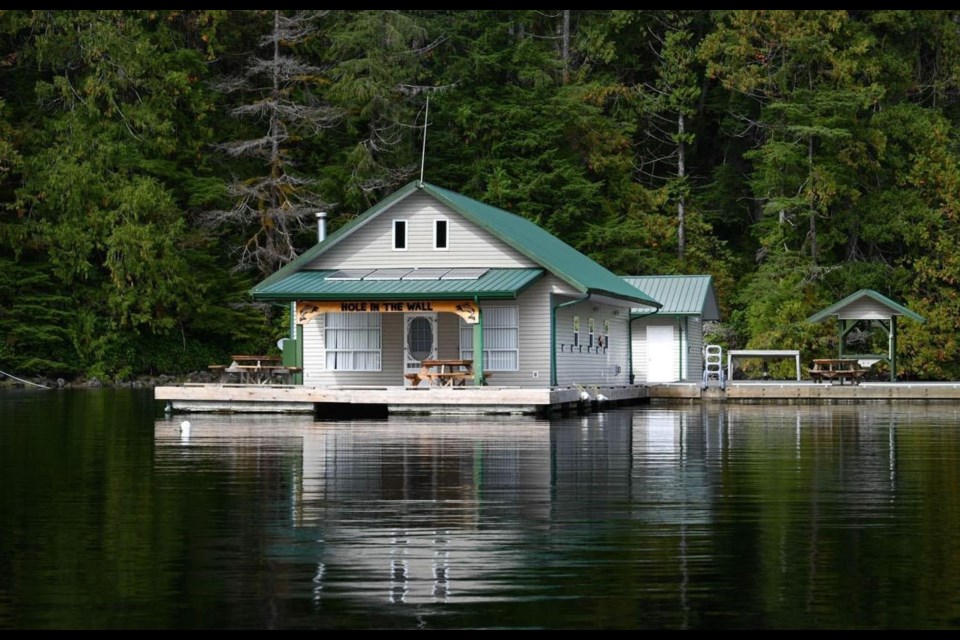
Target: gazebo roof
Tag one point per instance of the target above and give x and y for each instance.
(865, 304)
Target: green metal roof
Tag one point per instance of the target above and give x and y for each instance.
(895, 309)
(550, 252)
(495, 284)
(679, 295)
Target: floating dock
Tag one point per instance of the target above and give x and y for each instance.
(492, 400)
(372, 400)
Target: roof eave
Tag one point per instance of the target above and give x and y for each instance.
(556, 270)
(356, 297)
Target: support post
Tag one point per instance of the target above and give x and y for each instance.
(892, 340)
(478, 378)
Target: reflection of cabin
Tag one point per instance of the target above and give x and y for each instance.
(668, 344)
(431, 274)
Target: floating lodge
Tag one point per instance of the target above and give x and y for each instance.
(429, 278)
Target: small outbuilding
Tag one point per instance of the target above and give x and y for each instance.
(859, 312)
(667, 343)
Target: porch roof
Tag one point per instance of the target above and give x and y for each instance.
(495, 284)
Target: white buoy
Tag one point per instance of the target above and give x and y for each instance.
(185, 426)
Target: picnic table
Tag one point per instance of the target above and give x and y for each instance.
(255, 369)
(443, 372)
(837, 369)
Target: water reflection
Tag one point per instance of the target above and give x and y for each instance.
(698, 516)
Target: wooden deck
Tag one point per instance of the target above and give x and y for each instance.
(492, 400)
(421, 400)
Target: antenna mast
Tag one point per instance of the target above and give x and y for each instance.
(423, 154)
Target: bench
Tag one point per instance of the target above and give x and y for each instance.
(447, 379)
(841, 369)
(853, 375)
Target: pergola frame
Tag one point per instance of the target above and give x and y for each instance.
(878, 310)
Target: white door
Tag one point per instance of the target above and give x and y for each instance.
(419, 341)
(661, 354)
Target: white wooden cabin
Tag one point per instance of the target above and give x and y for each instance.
(429, 273)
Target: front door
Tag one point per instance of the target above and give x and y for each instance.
(661, 354)
(419, 341)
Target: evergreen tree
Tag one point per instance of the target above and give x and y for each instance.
(283, 94)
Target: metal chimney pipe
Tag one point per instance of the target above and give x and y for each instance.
(321, 226)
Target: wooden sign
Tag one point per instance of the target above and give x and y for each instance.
(463, 308)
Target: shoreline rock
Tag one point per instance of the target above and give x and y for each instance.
(139, 382)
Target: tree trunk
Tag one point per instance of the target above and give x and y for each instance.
(814, 249)
(681, 202)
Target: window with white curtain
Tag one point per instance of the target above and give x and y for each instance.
(352, 341)
(501, 339)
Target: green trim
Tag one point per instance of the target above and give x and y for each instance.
(478, 379)
(679, 295)
(541, 247)
(545, 249)
(496, 284)
(895, 308)
(892, 347)
(298, 377)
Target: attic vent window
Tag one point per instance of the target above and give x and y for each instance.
(400, 235)
(440, 234)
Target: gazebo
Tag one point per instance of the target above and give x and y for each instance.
(877, 309)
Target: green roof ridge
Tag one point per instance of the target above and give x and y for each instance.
(545, 249)
(541, 246)
(899, 309)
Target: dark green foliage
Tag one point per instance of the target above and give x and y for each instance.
(819, 156)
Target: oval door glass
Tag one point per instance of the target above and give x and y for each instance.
(420, 338)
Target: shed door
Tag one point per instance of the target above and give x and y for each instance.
(661, 354)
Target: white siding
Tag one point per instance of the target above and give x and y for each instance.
(640, 343)
(692, 350)
(865, 309)
(694, 338)
(448, 336)
(371, 246)
(534, 337)
(583, 364)
(391, 356)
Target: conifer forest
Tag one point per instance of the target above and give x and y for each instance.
(155, 165)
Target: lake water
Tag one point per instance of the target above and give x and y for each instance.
(650, 517)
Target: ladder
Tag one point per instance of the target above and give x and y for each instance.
(713, 365)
